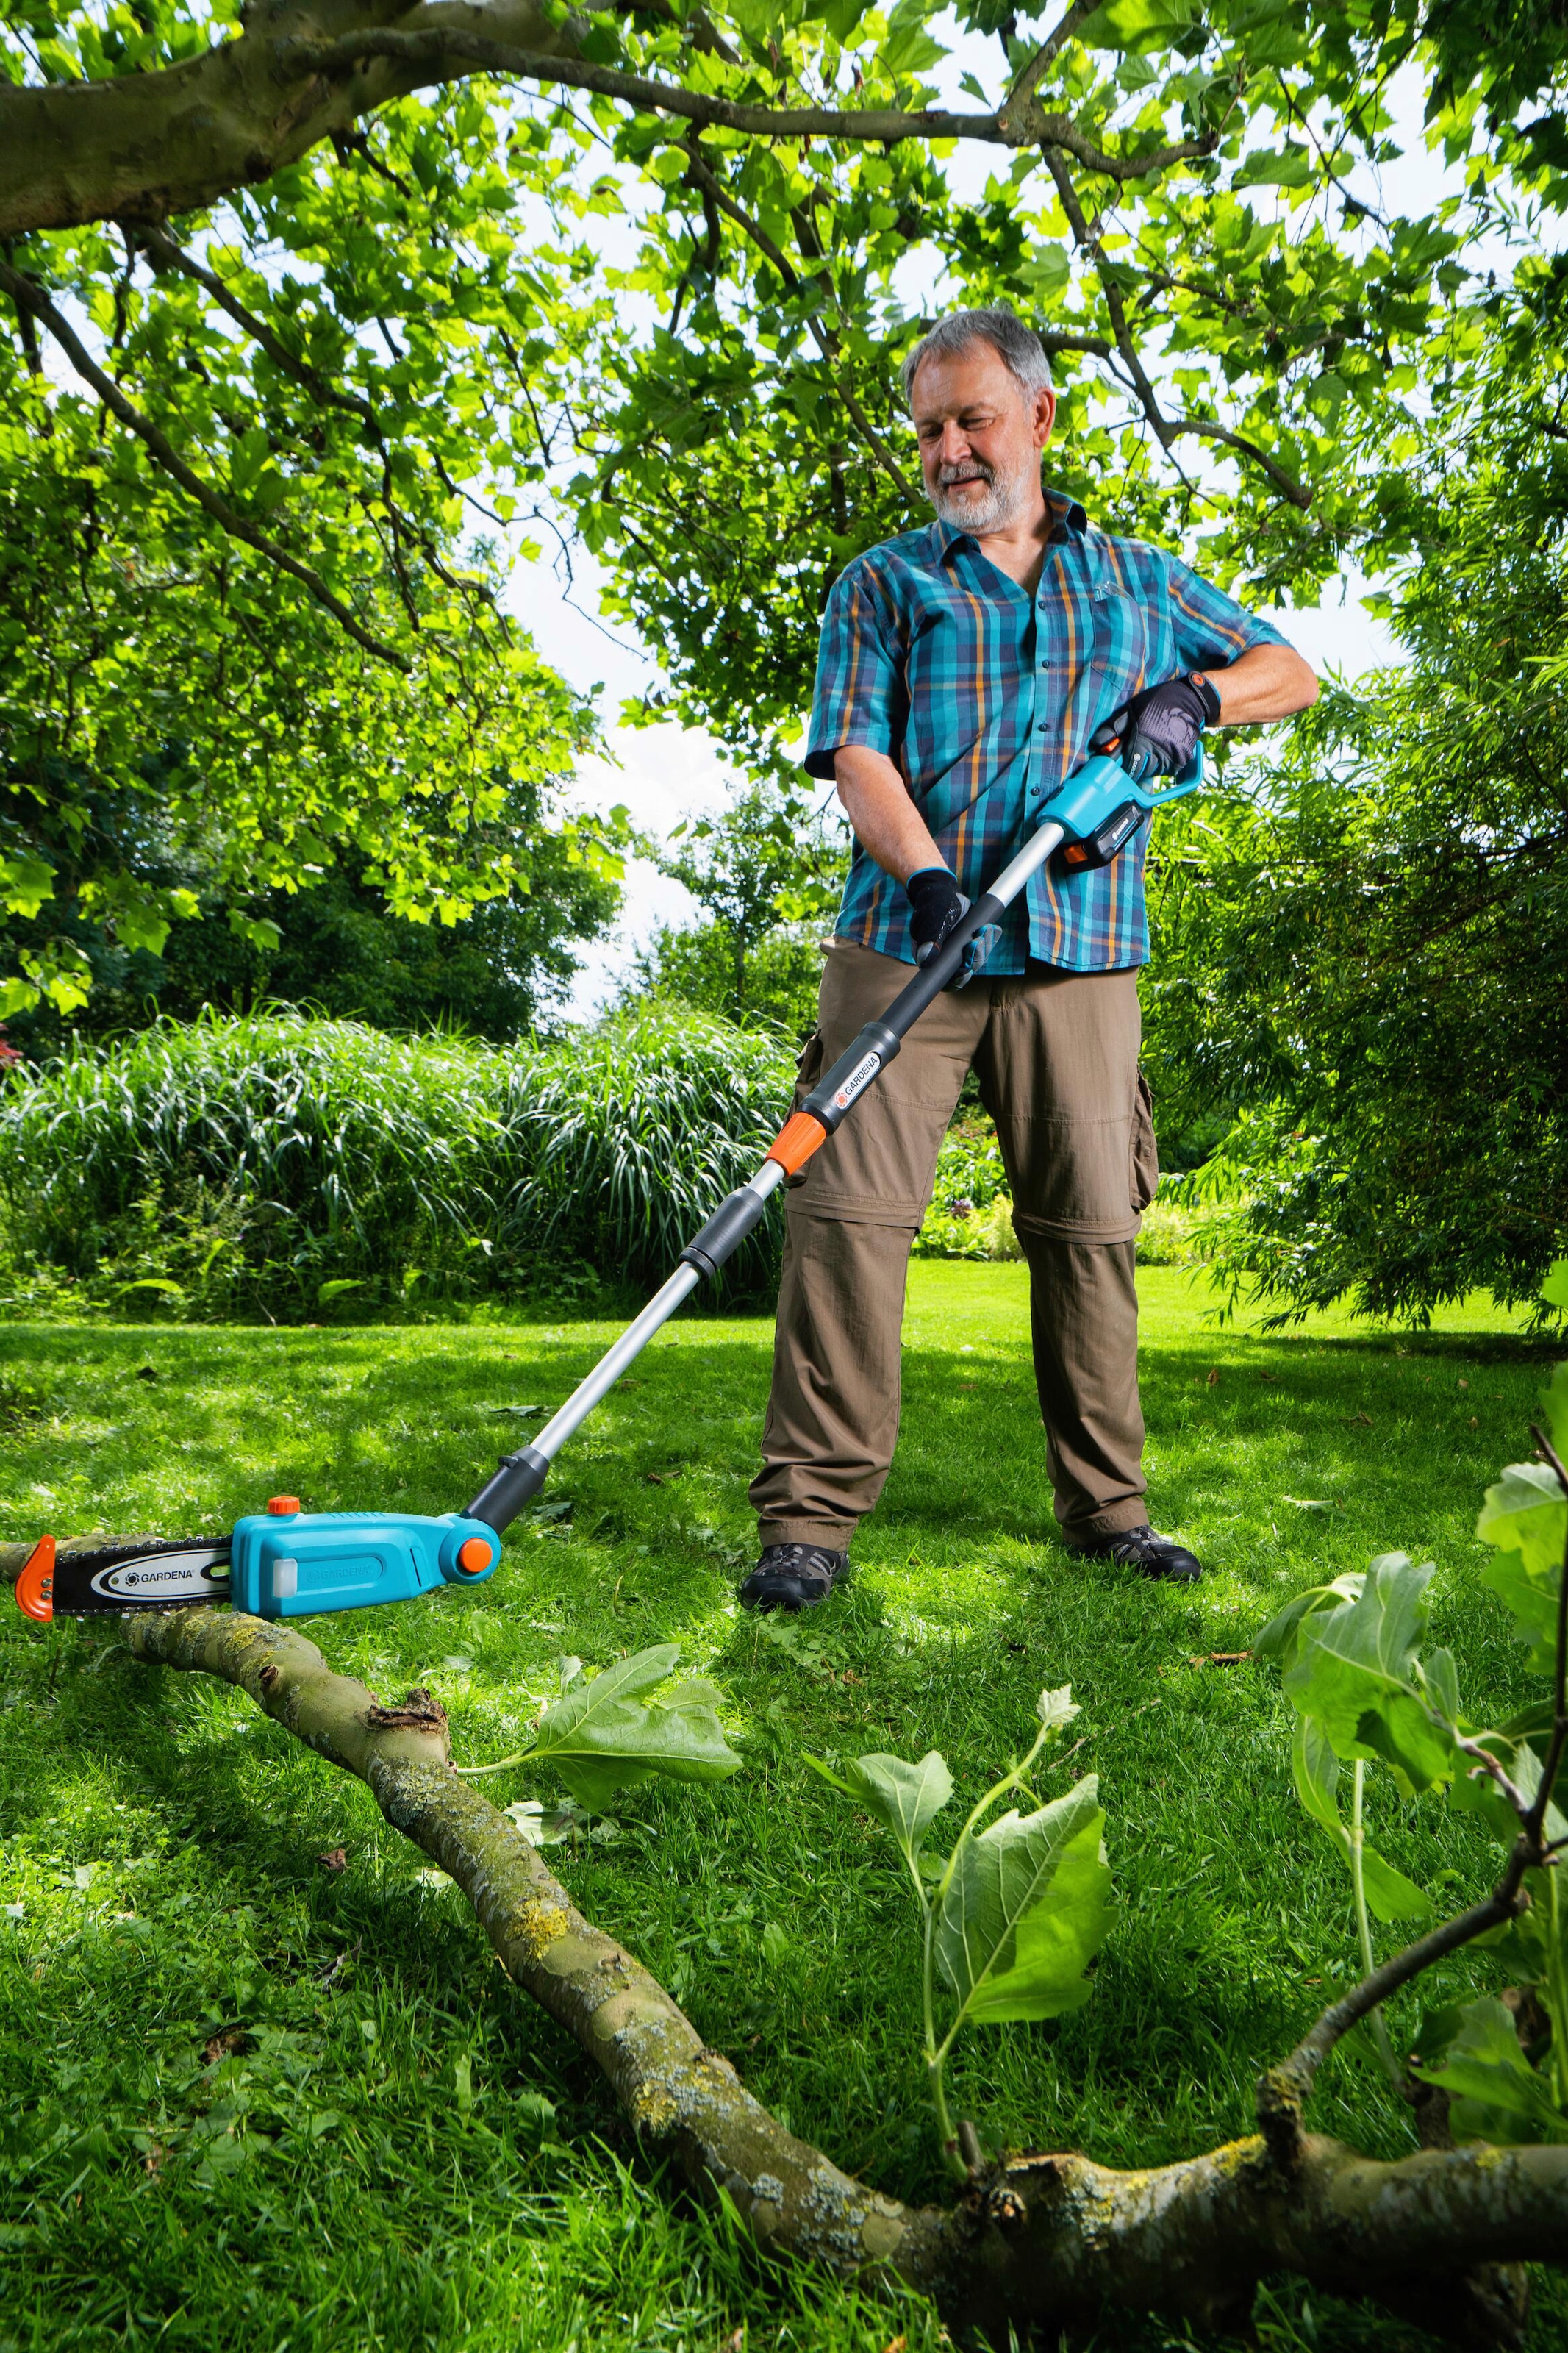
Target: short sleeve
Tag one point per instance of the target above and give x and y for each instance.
(1210, 628)
(860, 695)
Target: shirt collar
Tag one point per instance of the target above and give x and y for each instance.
(1068, 521)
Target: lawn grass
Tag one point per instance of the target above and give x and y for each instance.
(249, 2101)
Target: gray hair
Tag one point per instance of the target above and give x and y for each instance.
(1018, 348)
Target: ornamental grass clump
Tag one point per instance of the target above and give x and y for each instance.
(278, 1165)
(628, 1137)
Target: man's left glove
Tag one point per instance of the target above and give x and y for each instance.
(1157, 732)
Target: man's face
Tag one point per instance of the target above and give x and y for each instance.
(980, 438)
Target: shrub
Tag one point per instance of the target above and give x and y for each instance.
(970, 1213)
(278, 1164)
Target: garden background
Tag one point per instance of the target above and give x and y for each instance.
(339, 1121)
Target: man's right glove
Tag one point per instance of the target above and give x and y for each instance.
(1157, 732)
(936, 904)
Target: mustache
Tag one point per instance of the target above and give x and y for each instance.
(965, 470)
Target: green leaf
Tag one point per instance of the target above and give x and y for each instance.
(1315, 1770)
(1389, 1894)
(909, 47)
(1278, 1640)
(1555, 1401)
(838, 17)
(1524, 1512)
(1442, 1681)
(1400, 1730)
(601, 1738)
(337, 1286)
(1290, 167)
(905, 1798)
(1554, 1290)
(1355, 1661)
(1526, 1517)
(1486, 2070)
(1026, 1909)
(1137, 23)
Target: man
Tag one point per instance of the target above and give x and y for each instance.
(963, 670)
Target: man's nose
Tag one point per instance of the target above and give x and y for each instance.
(953, 446)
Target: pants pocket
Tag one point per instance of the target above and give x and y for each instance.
(808, 1071)
(1144, 1173)
(809, 1067)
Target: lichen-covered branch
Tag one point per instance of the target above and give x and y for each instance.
(1043, 2242)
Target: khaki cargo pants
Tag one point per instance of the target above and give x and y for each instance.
(1057, 1057)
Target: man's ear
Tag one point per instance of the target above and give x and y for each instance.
(1045, 417)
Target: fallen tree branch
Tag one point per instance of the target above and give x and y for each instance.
(1044, 2242)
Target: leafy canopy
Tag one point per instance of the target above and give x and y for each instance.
(274, 424)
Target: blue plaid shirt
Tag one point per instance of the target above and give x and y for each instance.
(986, 698)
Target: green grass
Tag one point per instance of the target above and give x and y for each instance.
(400, 2151)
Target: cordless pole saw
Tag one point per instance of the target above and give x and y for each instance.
(288, 1563)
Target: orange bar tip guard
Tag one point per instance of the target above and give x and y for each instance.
(796, 1140)
(36, 1585)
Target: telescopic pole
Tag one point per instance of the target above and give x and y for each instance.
(522, 1475)
(1096, 812)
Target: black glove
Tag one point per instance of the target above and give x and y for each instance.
(936, 904)
(1157, 732)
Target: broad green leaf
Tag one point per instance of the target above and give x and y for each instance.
(1442, 1681)
(1278, 1638)
(1055, 1940)
(1526, 1517)
(1554, 1290)
(1137, 23)
(905, 1798)
(1389, 1894)
(1533, 1606)
(840, 17)
(1286, 167)
(1049, 1863)
(1400, 1730)
(1498, 2092)
(1315, 1770)
(601, 1736)
(1526, 1513)
(1353, 1666)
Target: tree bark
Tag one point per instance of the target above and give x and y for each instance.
(141, 147)
(1040, 2242)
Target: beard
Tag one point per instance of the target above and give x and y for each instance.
(992, 500)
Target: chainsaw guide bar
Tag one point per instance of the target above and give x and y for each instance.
(157, 1574)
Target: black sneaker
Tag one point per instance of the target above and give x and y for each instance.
(793, 1577)
(1151, 1555)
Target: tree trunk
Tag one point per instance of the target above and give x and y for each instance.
(1040, 2242)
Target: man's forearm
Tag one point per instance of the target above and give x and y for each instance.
(1265, 683)
(888, 826)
